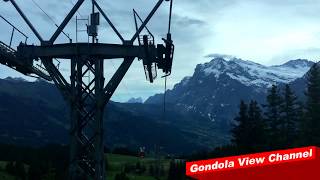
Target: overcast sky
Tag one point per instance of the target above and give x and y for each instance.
(264, 31)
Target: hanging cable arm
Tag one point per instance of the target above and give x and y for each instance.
(170, 16)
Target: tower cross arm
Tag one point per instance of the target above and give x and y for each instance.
(69, 50)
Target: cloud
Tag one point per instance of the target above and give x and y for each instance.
(187, 21)
(216, 55)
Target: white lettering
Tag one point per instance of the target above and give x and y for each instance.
(194, 168)
(272, 158)
(290, 156)
(208, 167)
(250, 161)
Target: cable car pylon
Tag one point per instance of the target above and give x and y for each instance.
(87, 99)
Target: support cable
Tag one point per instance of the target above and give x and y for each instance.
(67, 35)
(73, 4)
(14, 29)
(165, 77)
(164, 98)
(170, 16)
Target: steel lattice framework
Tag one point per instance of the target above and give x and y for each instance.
(87, 99)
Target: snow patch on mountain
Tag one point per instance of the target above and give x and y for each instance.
(254, 74)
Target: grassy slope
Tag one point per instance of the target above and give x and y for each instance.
(4, 175)
(117, 163)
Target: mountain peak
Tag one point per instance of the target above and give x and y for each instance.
(215, 66)
(16, 79)
(135, 100)
(216, 61)
(297, 63)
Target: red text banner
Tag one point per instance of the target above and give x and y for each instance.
(298, 163)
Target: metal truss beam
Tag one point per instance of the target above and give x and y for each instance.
(58, 78)
(87, 155)
(70, 50)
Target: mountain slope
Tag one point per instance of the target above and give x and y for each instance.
(33, 113)
(299, 85)
(216, 88)
(199, 108)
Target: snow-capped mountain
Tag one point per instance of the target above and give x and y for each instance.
(253, 74)
(216, 88)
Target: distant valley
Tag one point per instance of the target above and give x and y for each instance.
(200, 108)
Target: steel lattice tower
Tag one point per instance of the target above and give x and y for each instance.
(87, 99)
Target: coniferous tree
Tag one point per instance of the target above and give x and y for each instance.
(311, 121)
(239, 131)
(291, 114)
(257, 127)
(249, 134)
(273, 117)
